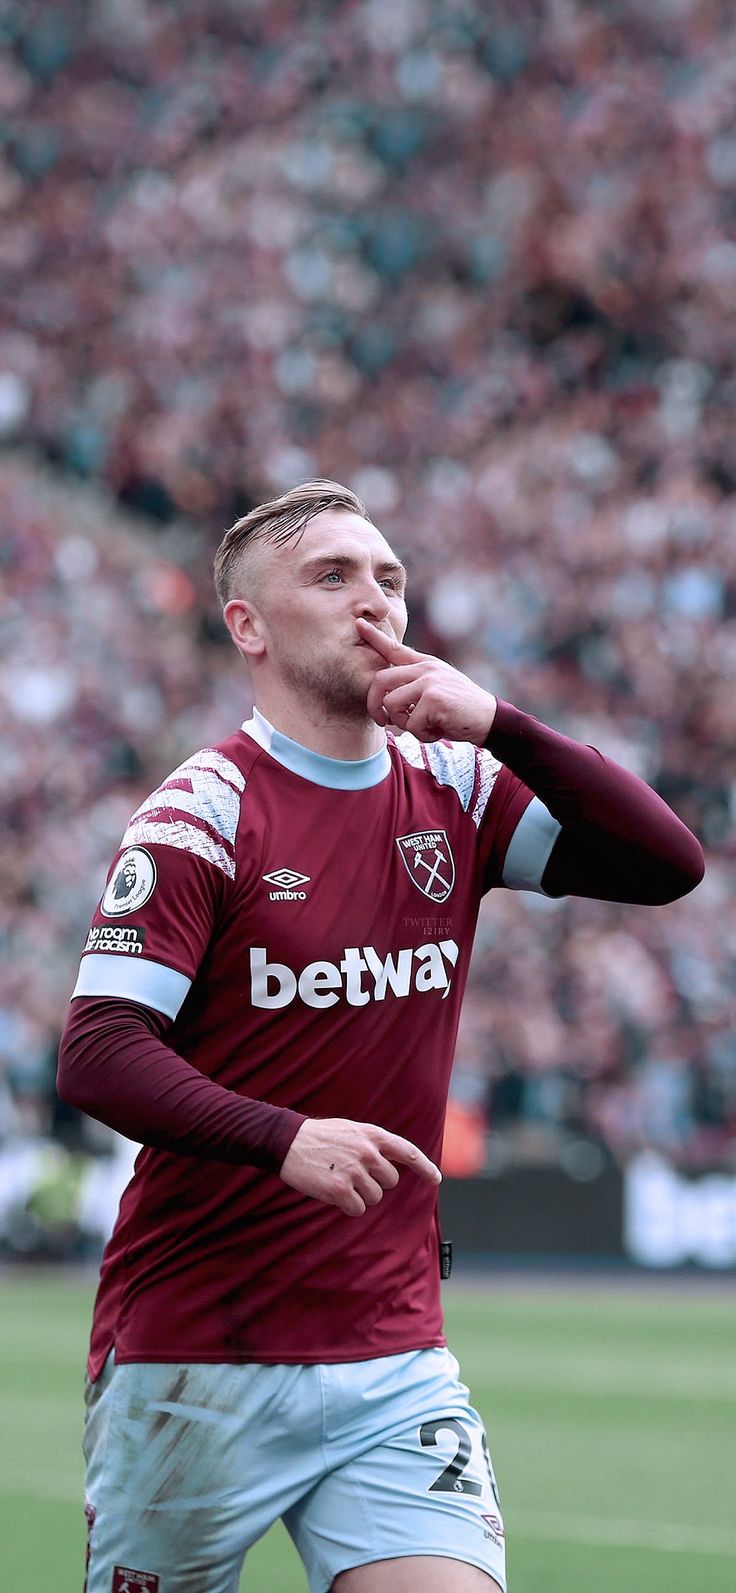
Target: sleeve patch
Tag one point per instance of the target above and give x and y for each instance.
(196, 809)
(126, 939)
(131, 885)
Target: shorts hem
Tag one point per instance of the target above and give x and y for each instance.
(409, 1554)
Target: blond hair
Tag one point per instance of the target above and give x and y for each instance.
(278, 521)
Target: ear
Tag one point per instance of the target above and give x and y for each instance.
(246, 627)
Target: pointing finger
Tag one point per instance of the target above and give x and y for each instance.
(402, 1150)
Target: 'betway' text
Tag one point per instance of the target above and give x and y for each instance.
(360, 976)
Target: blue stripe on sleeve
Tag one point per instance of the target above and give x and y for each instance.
(528, 850)
(151, 983)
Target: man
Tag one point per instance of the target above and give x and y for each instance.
(268, 1000)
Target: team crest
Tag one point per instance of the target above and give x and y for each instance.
(126, 1581)
(429, 862)
(133, 881)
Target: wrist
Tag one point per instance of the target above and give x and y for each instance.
(507, 722)
(490, 710)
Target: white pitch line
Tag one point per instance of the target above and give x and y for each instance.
(663, 1535)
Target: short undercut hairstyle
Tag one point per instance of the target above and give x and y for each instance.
(277, 522)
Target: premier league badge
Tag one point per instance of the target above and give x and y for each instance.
(429, 862)
(132, 882)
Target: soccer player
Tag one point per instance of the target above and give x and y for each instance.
(268, 1000)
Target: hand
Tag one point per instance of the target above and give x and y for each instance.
(350, 1164)
(422, 694)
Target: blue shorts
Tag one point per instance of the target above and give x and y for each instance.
(188, 1465)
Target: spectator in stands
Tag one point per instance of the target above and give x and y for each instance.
(480, 267)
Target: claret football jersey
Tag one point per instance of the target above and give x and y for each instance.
(306, 925)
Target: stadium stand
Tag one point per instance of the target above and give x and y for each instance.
(479, 263)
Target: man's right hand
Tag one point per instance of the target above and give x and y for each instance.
(350, 1164)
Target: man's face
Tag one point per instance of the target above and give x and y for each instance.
(310, 593)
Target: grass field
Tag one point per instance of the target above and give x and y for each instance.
(611, 1414)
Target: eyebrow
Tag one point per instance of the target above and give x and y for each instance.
(348, 562)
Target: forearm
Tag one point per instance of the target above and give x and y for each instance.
(114, 1065)
(619, 840)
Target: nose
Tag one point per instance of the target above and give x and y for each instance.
(371, 602)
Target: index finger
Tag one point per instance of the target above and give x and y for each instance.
(387, 646)
(402, 1150)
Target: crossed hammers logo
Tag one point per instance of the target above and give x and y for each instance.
(433, 870)
(428, 860)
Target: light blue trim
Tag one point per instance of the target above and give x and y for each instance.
(339, 774)
(115, 974)
(528, 850)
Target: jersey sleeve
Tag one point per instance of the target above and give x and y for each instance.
(167, 885)
(114, 1064)
(617, 840)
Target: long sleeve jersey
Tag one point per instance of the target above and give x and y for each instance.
(285, 935)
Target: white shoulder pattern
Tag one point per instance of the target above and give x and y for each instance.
(195, 809)
(470, 771)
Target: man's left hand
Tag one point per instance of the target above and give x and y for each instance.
(417, 692)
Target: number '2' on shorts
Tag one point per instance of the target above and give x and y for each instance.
(189, 1464)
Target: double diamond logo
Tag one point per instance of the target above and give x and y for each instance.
(286, 878)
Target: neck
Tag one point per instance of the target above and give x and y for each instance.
(309, 725)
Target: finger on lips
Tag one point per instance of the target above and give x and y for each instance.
(382, 643)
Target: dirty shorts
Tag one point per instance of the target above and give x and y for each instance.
(188, 1465)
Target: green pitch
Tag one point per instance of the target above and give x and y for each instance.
(611, 1414)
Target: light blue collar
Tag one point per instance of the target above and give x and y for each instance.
(340, 774)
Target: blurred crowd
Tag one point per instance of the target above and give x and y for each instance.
(476, 260)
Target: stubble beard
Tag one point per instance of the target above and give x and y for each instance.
(332, 688)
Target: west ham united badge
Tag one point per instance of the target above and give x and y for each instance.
(131, 884)
(126, 1581)
(429, 862)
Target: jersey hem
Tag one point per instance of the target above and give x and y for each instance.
(262, 1358)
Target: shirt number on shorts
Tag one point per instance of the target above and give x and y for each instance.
(451, 1480)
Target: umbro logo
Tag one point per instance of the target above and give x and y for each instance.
(287, 880)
